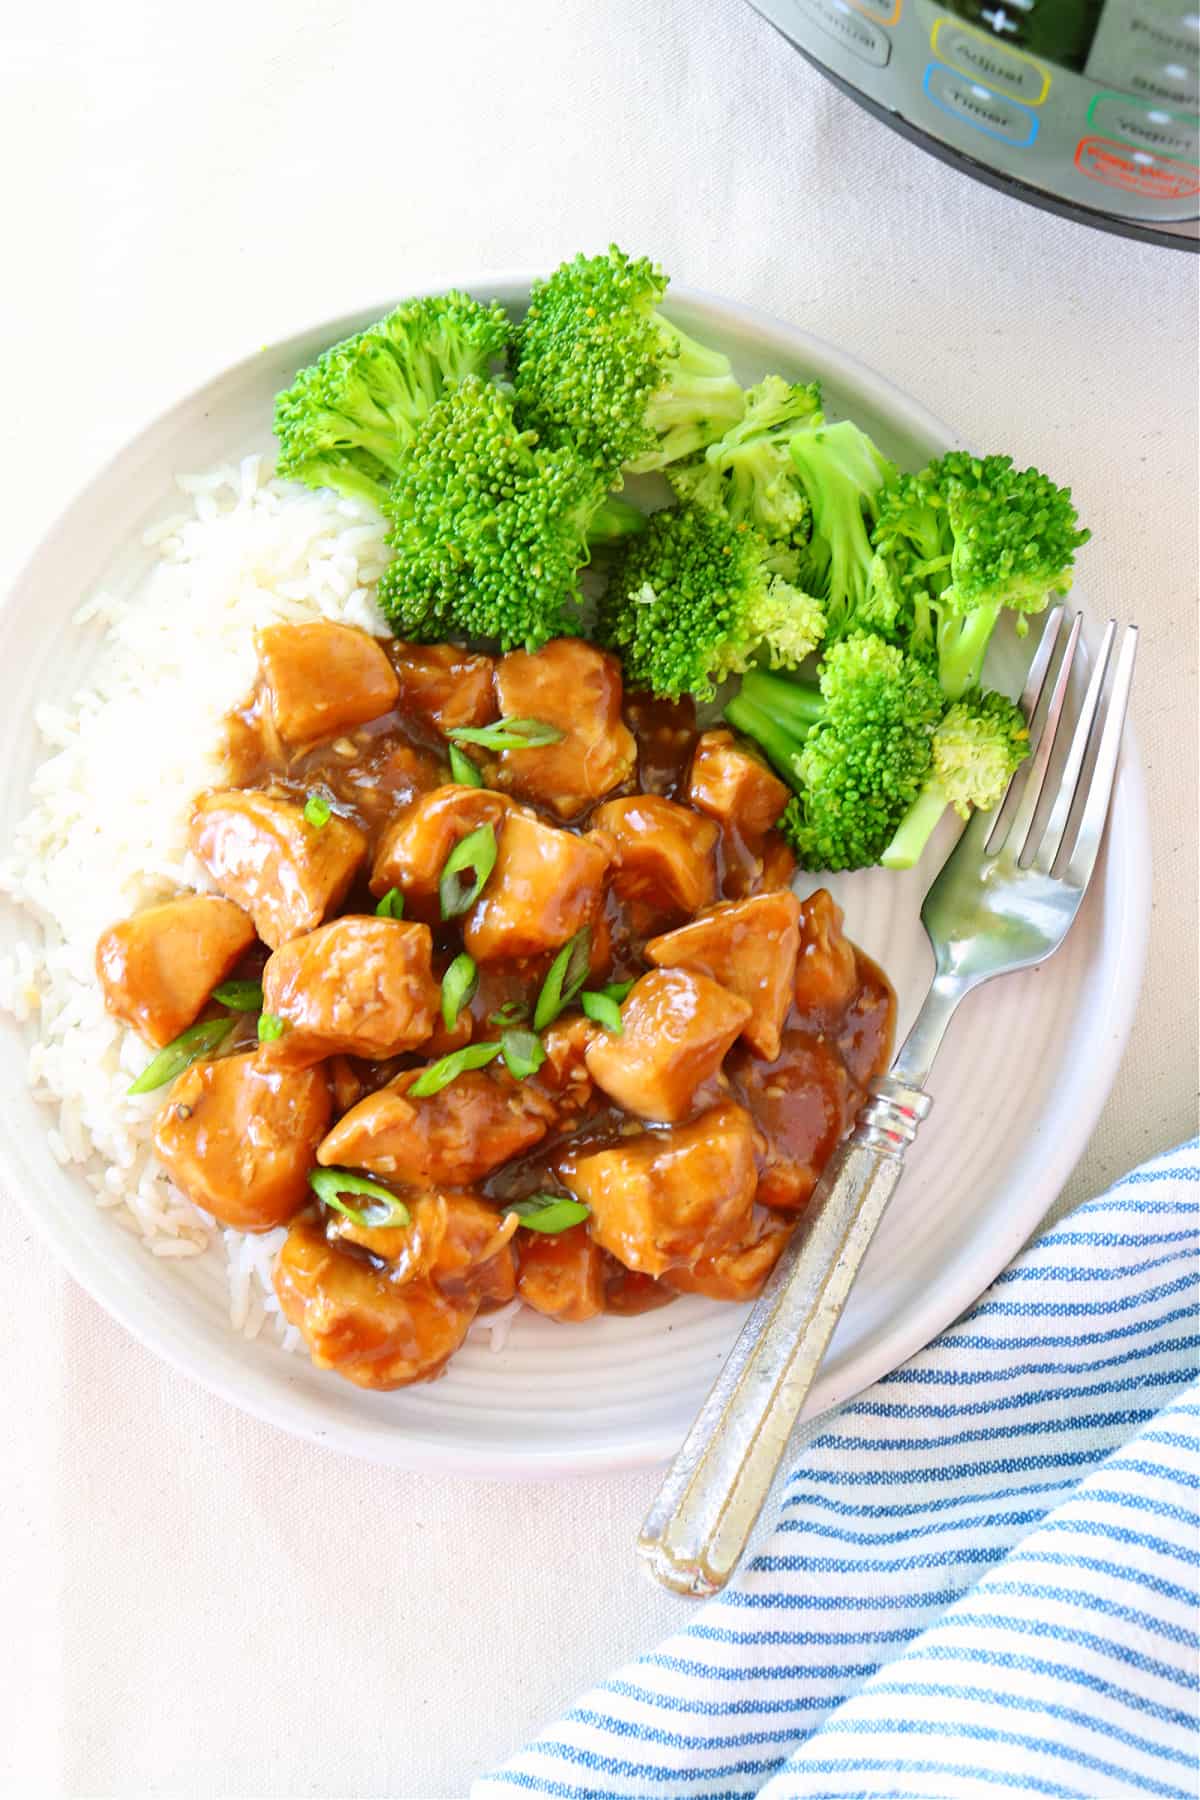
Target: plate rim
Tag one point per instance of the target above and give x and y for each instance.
(421, 1449)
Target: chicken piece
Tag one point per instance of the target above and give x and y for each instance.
(736, 1274)
(448, 1139)
(240, 1139)
(667, 1199)
(475, 1254)
(750, 947)
(803, 1103)
(383, 777)
(545, 886)
(627, 1293)
(444, 1039)
(414, 848)
(577, 688)
(453, 1236)
(729, 782)
(262, 853)
(444, 686)
(359, 986)
(778, 865)
(159, 967)
(678, 1026)
(345, 1083)
(564, 1072)
(322, 679)
(411, 1248)
(562, 1274)
(359, 1320)
(827, 970)
(664, 853)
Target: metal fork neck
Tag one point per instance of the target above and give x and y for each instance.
(914, 1059)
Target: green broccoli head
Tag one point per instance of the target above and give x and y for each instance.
(842, 474)
(347, 419)
(856, 749)
(1015, 535)
(961, 541)
(748, 474)
(695, 598)
(978, 747)
(598, 364)
(489, 528)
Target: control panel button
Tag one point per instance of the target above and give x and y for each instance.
(988, 60)
(1145, 126)
(980, 107)
(852, 30)
(884, 12)
(1171, 79)
(1135, 171)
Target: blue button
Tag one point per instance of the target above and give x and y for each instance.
(980, 107)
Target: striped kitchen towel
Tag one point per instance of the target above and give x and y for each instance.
(985, 1571)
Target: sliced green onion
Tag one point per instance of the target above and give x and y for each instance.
(181, 1053)
(458, 988)
(549, 1212)
(240, 996)
(463, 769)
(509, 734)
(391, 906)
(477, 852)
(270, 1027)
(511, 1013)
(619, 990)
(522, 1052)
(317, 811)
(604, 1009)
(329, 1184)
(564, 978)
(448, 1068)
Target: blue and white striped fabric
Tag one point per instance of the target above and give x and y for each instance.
(985, 1572)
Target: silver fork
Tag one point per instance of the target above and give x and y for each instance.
(1004, 900)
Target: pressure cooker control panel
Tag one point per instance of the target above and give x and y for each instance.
(1093, 102)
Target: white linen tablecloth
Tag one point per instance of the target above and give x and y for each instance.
(193, 1604)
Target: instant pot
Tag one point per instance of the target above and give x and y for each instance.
(1087, 107)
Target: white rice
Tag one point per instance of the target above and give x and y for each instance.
(107, 830)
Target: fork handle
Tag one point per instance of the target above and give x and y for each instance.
(699, 1525)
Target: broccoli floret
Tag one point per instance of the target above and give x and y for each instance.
(842, 474)
(748, 474)
(489, 527)
(977, 749)
(960, 542)
(598, 364)
(347, 419)
(695, 598)
(856, 748)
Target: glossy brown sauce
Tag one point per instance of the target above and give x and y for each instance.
(802, 1102)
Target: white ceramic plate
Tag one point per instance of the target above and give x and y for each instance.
(1018, 1086)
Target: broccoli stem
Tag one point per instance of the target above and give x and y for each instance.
(614, 520)
(915, 828)
(797, 705)
(962, 646)
(777, 714)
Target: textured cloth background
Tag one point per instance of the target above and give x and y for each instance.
(195, 1605)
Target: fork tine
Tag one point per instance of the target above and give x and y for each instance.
(1039, 667)
(1056, 824)
(987, 831)
(1043, 745)
(1091, 826)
